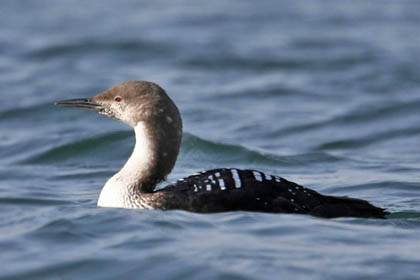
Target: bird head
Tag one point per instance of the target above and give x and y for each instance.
(131, 102)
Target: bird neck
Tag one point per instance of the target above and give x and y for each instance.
(138, 171)
(135, 177)
(151, 161)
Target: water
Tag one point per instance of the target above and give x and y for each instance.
(323, 93)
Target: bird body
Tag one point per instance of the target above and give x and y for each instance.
(158, 128)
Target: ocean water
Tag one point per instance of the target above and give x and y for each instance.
(323, 93)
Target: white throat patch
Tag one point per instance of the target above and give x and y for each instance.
(120, 190)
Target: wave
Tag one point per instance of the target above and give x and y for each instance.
(85, 47)
(80, 148)
(367, 140)
(31, 201)
(235, 62)
(404, 215)
(193, 148)
(362, 116)
(29, 111)
(290, 61)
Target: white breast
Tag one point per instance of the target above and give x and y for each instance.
(114, 194)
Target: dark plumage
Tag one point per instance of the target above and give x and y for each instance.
(272, 194)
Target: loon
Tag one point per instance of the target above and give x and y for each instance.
(157, 123)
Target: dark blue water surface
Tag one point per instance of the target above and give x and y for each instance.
(323, 93)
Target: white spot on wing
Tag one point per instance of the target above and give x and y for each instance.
(222, 184)
(208, 187)
(236, 177)
(212, 179)
(258, 175)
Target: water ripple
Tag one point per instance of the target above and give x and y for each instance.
(52, 51)
(31, 201)
(324, 93)
(367, 140)
(196, 148)
(79, 148)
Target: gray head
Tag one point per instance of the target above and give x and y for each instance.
(135, 102)
(130, 102)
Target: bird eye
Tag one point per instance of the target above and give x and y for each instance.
(118, 98)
